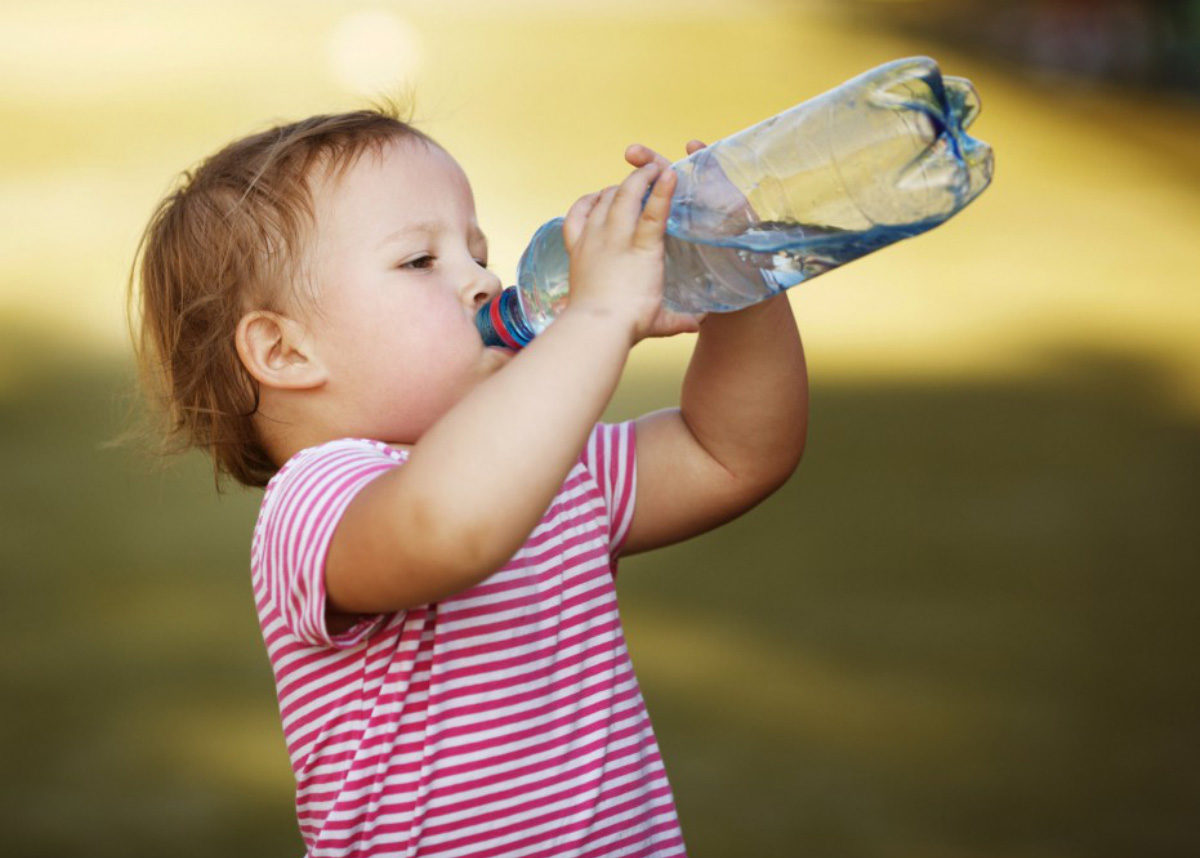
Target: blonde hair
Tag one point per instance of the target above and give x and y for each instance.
(229, 238)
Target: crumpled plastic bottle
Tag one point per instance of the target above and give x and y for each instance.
(884, 156)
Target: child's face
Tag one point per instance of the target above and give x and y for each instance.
(400, 265)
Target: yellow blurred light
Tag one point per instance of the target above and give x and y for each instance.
(373, 50)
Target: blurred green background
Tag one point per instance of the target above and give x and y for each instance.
(964, 628)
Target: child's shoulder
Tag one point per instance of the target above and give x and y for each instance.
(337, 456)
(316, 484)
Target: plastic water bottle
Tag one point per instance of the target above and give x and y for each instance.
(882, 157)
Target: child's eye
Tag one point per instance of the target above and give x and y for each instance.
(482, 263)
(419, 263)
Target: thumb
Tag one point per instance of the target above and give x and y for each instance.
(668, 323)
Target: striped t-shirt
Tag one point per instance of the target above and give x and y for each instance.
(502, 721)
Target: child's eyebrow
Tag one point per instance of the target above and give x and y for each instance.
(429, 227)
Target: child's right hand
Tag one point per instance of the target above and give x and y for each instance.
(616, 250)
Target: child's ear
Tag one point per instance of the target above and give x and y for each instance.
(278, 352)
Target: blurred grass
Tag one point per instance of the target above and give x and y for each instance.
(965, 628)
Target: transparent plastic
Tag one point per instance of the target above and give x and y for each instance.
(882, 157)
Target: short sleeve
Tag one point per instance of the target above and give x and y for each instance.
(301, 508)
(609, 457)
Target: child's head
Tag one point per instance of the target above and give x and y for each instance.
(310, 282)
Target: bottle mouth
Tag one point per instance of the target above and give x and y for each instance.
(500, 322)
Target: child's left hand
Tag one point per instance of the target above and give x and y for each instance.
(615, 240)
(667, 323)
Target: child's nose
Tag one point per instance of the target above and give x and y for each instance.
(484, 288)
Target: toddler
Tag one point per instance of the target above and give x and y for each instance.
(435, 553)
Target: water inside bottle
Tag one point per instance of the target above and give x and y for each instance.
(735, 272)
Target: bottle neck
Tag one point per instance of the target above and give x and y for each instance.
(501, 322)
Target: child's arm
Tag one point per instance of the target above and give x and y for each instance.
(739, 431)
(477, 483)
(738, 434)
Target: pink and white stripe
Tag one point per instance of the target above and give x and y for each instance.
(503, 721)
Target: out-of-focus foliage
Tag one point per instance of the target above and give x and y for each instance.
(1141, 42)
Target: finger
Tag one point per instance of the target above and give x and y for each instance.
(628, 200)
(576, 217)
(694, 146)
(639, 155)
(653, 222)
(600, 212)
